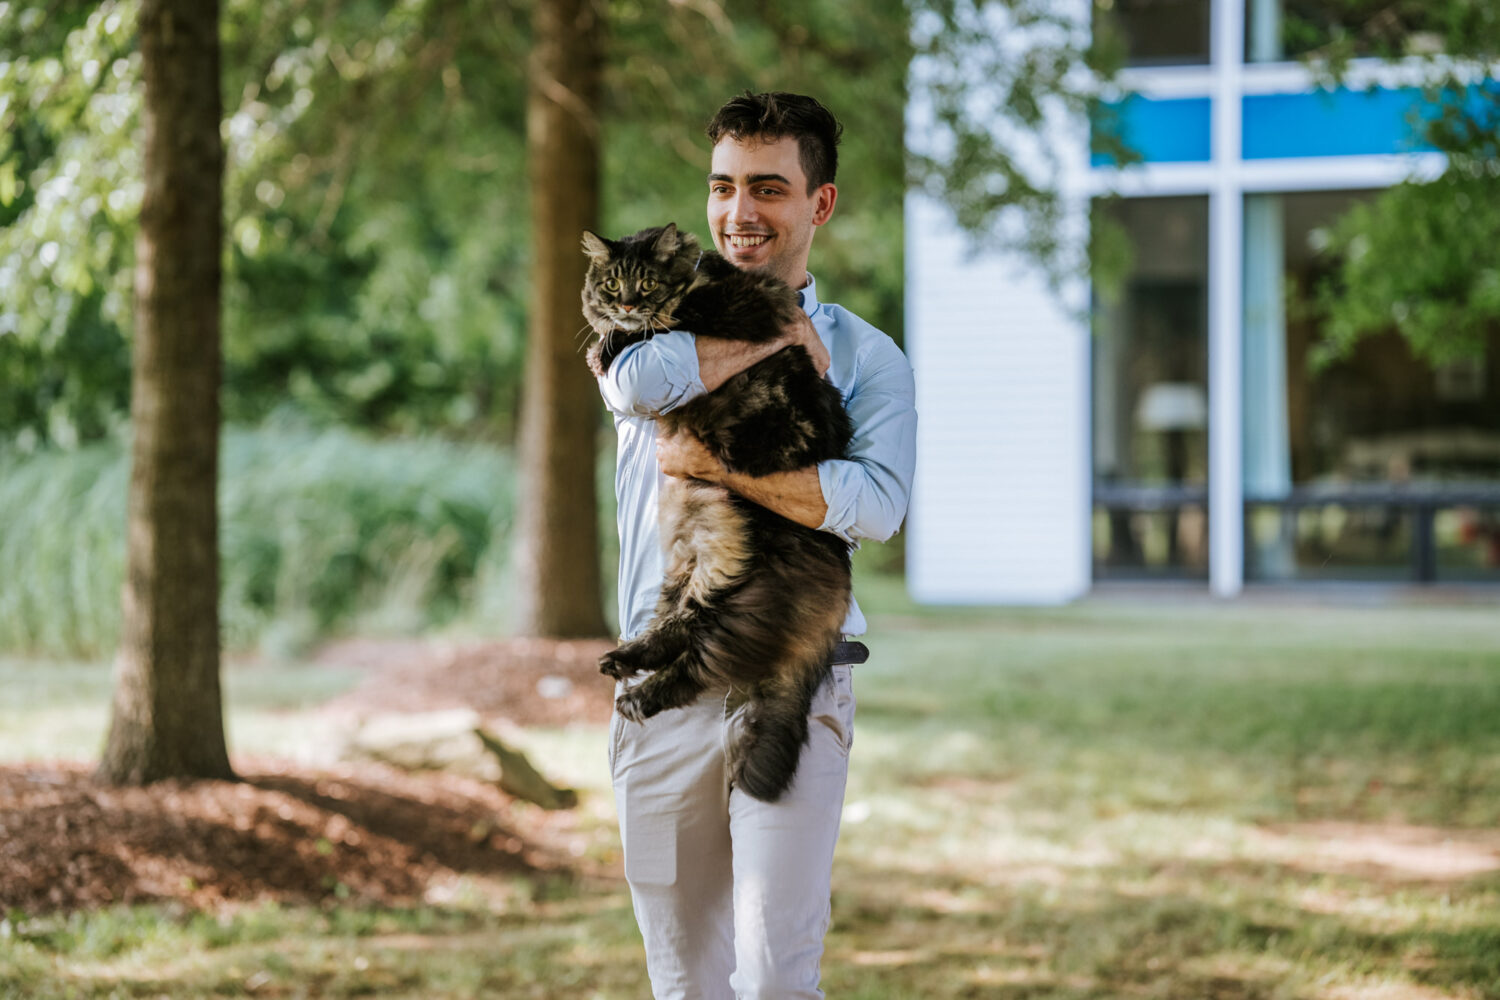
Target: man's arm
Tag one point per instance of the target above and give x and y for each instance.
(672, 368)
(862, 496)
(720, 360)
(795, 495)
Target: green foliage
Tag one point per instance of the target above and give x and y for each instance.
(69, 193)
(375, 192)
(1423, 259)
(318, 530)
(993, 82)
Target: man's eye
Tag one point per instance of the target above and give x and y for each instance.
(611, 284)
(648, 284)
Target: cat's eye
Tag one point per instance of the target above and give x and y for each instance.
(611, 284)
(648, 284)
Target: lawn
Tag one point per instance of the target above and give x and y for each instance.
(1263, 799)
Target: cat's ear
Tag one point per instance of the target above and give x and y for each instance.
(667, 241)
(597, 247)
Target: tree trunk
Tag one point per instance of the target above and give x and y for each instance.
(167, 719)
(558, 536)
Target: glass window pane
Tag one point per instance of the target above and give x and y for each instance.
(1376, 465)
(1150, 394)
(1329, 542)
(1278, 30)
(1158, 32)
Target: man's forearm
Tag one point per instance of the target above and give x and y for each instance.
(796, 495)
(720, 360)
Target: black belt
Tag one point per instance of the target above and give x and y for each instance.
(850, 653)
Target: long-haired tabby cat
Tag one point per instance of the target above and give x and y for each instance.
(749, 600)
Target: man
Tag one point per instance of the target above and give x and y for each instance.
(731, 893)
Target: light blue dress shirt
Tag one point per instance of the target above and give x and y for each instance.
(867, 492)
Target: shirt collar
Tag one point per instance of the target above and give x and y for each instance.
(807, 297)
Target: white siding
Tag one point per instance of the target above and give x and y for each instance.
(1000, 507)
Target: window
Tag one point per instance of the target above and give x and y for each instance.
(1376, 466)
(1158, 32)
(1277, 30)
(1150, 397)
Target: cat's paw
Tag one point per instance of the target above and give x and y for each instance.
(619, 664)
(631, 705)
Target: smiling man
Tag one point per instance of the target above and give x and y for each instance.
(731, 893)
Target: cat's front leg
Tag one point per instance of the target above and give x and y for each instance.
(658, 646)
(672, 686)
(625, 660)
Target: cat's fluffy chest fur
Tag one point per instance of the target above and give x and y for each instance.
(750, 599)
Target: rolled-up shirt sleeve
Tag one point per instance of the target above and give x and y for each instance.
(867, 493)
(654, 376)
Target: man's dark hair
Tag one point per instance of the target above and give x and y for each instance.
(777, 115)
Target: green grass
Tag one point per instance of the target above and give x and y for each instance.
(1251, 800)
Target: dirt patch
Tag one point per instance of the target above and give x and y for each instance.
(295, 834)
(1384, 852)
(356, 832)
(532, 682)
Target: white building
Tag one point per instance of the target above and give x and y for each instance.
(1187, 435)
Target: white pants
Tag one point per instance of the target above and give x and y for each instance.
(731, 893)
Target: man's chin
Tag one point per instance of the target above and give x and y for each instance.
(761, 263)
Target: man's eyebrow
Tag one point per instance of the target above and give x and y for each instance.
(753, 179)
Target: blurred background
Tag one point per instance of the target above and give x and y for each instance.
(1050, 198)
(1202, 301)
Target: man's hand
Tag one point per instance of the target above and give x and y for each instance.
(801, 331)
(683, 456)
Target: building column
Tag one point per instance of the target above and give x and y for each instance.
(1226, 508)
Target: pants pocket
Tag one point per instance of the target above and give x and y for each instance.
(833, 707)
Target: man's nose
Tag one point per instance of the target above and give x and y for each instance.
(742, 208)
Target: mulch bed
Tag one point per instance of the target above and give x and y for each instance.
(288, 833)
(532, 682)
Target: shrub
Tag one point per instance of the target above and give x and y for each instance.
(318, 530)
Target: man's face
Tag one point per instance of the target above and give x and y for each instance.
(759, 209)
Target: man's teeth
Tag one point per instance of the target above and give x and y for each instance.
(747, 241)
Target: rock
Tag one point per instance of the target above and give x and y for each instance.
(519, 778)
(454, 741)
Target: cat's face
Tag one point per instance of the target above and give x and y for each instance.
(635, 283)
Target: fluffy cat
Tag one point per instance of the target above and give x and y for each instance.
(750, 600)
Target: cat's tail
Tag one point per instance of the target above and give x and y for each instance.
(763, 760)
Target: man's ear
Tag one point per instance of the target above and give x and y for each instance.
(597, 247)
(827, 196)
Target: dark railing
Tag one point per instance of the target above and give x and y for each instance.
(1421, 500)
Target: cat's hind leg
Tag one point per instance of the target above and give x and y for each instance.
(763, 760)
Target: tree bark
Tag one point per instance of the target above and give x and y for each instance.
(167, 718)
(557, 555)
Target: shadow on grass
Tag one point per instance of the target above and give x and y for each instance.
(1243, 930)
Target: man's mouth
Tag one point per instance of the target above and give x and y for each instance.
(745, 242)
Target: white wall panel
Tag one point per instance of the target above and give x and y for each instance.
(1000, 508)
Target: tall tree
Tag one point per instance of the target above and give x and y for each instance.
(557, 554)
(167, 717)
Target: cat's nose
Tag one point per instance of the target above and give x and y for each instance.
(627, 309)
